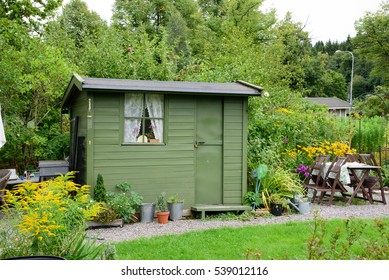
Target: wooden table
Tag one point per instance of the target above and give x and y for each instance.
(364, 171)
(12, 183)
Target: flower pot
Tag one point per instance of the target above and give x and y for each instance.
(163, 217)
(176, 209)
(276, 209)
(147, 211)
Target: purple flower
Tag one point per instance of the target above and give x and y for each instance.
(303, 170)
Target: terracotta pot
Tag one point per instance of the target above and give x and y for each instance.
(163, 217)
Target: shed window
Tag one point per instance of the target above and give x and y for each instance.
(143, 118)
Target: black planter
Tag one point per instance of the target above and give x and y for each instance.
(276, 209)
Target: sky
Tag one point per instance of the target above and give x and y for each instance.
(323, 19)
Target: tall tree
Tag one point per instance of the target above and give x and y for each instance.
(296, 49)
(372, 39)
(30, 96)
(73, 29)
(31, 13)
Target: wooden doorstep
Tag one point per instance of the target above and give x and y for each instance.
(215, 208)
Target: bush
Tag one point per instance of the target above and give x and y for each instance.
(278, 185)
(49, 218)
(343, 241)
(100, 193)
(124, 203)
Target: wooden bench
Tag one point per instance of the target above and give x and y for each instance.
(218, 208)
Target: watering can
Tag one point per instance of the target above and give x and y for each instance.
(301, 207)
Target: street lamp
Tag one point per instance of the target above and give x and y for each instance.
(350, 97)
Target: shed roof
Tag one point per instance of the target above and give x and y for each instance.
(331, 102)
(78, 84)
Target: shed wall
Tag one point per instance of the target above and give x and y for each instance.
(234, 159)
(151, 169)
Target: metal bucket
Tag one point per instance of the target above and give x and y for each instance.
(147, 211)
(176, 210)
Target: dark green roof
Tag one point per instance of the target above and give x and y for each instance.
(78, 84)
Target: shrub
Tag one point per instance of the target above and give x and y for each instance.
(46, 217)
(125, 202)
(100, 193)
(280, 184)
(343, 241)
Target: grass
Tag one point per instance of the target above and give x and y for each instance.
(275, 241)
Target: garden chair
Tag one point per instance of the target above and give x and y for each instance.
(4, 176)
(352, 157)
(332, 182)
(374, 177)
(316, 177)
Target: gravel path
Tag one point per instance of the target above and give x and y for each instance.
(139, 230)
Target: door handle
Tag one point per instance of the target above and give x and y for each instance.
(198, 143)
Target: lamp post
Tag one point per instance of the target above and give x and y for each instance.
(350, 97)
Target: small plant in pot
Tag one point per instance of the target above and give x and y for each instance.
(277, 203)
(162, 209)
(278, 185)
(175, 207)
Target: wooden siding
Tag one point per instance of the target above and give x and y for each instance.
(168, 167)
(150, 169)
(233, 158)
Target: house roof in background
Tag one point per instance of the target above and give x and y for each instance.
(238, 88)
(331, 102)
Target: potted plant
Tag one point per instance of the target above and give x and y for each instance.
(107, 216)
(175, 207)
(278, 185)
(162, 209)
(276, 204)
(119, 208)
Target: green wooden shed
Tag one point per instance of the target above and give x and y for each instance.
(188, 138)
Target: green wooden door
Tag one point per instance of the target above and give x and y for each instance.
(209, 150)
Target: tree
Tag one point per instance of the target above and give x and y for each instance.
(146, 14)
(319, 81)
(74, 30)
(34, 83)
(296, 47)
(372, 39)
(30, 13)
(374, 104)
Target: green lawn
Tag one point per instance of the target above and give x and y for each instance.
(276, 241)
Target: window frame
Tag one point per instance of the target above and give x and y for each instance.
(144, 120)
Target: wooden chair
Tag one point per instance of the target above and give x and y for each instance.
(4, 176)
(352, 157)
(332, 183)
(371, 181)
(368, 159)
(315, 177)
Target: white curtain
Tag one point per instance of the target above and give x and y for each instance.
(133, 107)
(154, 103)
